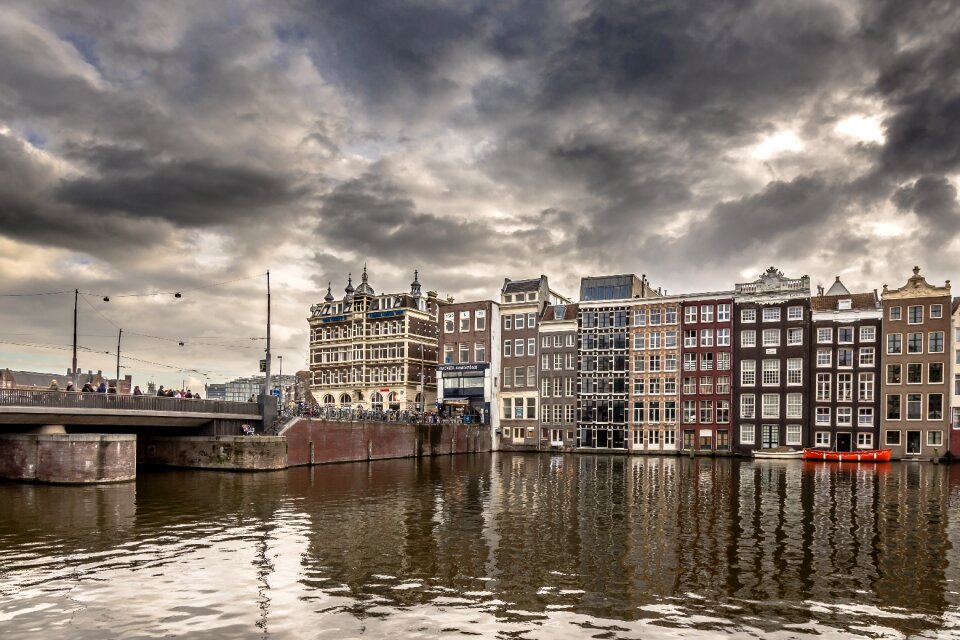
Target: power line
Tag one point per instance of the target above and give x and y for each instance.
(177, 293)
(25, 295)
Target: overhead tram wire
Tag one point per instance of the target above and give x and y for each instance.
(177, 293)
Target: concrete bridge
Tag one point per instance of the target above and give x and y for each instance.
(26, 408)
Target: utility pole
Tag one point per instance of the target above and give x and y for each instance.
(120, 335)
(280, 359)
(266, 378)
(421, 378)
(76, 375)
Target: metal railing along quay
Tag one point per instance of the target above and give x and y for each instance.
(335, 414)
(93, 400)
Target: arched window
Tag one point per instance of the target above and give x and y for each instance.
(376, 401)
(328, 399)
(345, 400)
(393, 397)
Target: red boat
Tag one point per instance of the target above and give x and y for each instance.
(866, 455)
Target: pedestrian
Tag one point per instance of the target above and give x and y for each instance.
(136, 391)
(189, 394)
(102, 388)
(54, 386)
(112, 389)
(70, 386)
(87, 388)
(196, 396)
(160, 392)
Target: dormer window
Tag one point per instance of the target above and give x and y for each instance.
(507, 298)
(845, 304)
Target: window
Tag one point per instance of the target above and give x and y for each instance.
(824, 335)
(893, 374)
(706, 313)
(670, 340)
(748, 372)
(689, 411)
(771, 372)
(865, 417)
(823, 416)
(545, 361)
(671, 315)
(518, 347)
(822, 438)
(823, 387)
(844, 387)
(654, 338)
(520, 376)
(915, 342)
(557, 361)
(653, 364)
(706, 411)
(865, 387)
(545, 387)
(935, 344)
(670, 362)
(480, 352)
(794, 336)
(723, 313)
(545, 341)
(794, 313)
(845, 335)
(690, 338)
(894, 343)
(748, 315)
(568, 360)
(771, 405)
(723, 337)
(653, 412)
(723, 361)
(531, 346)
(748, 406)
(531, 320)
(748, 338)
(747, 433)
(518, 321)
(507, 322)
(934, 438)
(936, 311)
(793, 434)
(914, 373)
(655, 317)
(639, 386)
(771, 337)
(690, 314)
(771, 314)
(893, 407)
(915, 314)
(723, 384)
(640, 318)
(706, 337)
(794, 371)
(689, 362)
(480, 320)
(464, 321)
(844, 416)
(935, 373)
(448, 322)
(934, 406)
(706, 386)
(893, 438)
(531, 408)
(670, 386)
(723, 411)
(531, 377)
(689, 385)
(824, 357)
(464, 352)
(867, 358)
(531, 296)
(448, 354)
(868, 334)
(914, 406)
(570, 340)
(844, 357)
(507, 376)
(794, 405)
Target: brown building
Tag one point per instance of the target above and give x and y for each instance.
(706, 370)
(521, 303)
(916, 330)
(654, 384)
(771, 322)
(558, 376)
(469, 360)
(844, 370)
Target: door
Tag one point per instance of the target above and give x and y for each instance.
(913, 442)
(844, 442)
(771, 436)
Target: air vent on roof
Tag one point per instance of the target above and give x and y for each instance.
(558, 311)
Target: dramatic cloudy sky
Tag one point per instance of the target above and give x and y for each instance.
(164, 146)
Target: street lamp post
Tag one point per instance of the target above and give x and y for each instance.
(76, 375)
(280, 382)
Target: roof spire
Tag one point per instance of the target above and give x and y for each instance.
(415, 285)
(349, 288)
(329, 296)
(364, 288)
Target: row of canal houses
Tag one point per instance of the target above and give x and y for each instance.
(765, 365)
(630, 368)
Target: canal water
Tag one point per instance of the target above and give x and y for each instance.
(495, 546)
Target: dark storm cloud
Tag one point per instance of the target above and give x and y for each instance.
(190, 193)
(934, 200)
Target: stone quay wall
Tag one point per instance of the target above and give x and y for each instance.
(80, 458)
(312, 441)
(229, 453)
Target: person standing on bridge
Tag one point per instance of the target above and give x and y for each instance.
(54, 386)
(102, 388)
(136, 391)
(160, 392)
(70, 386)
(87, 388)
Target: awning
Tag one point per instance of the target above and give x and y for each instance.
(457, 401)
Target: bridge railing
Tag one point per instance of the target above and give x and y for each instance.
(80, 400)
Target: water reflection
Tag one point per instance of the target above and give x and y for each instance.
(502, 545)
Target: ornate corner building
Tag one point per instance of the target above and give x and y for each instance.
(375, 351)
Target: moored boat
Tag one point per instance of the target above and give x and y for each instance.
(780, 453)
(867, 455)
